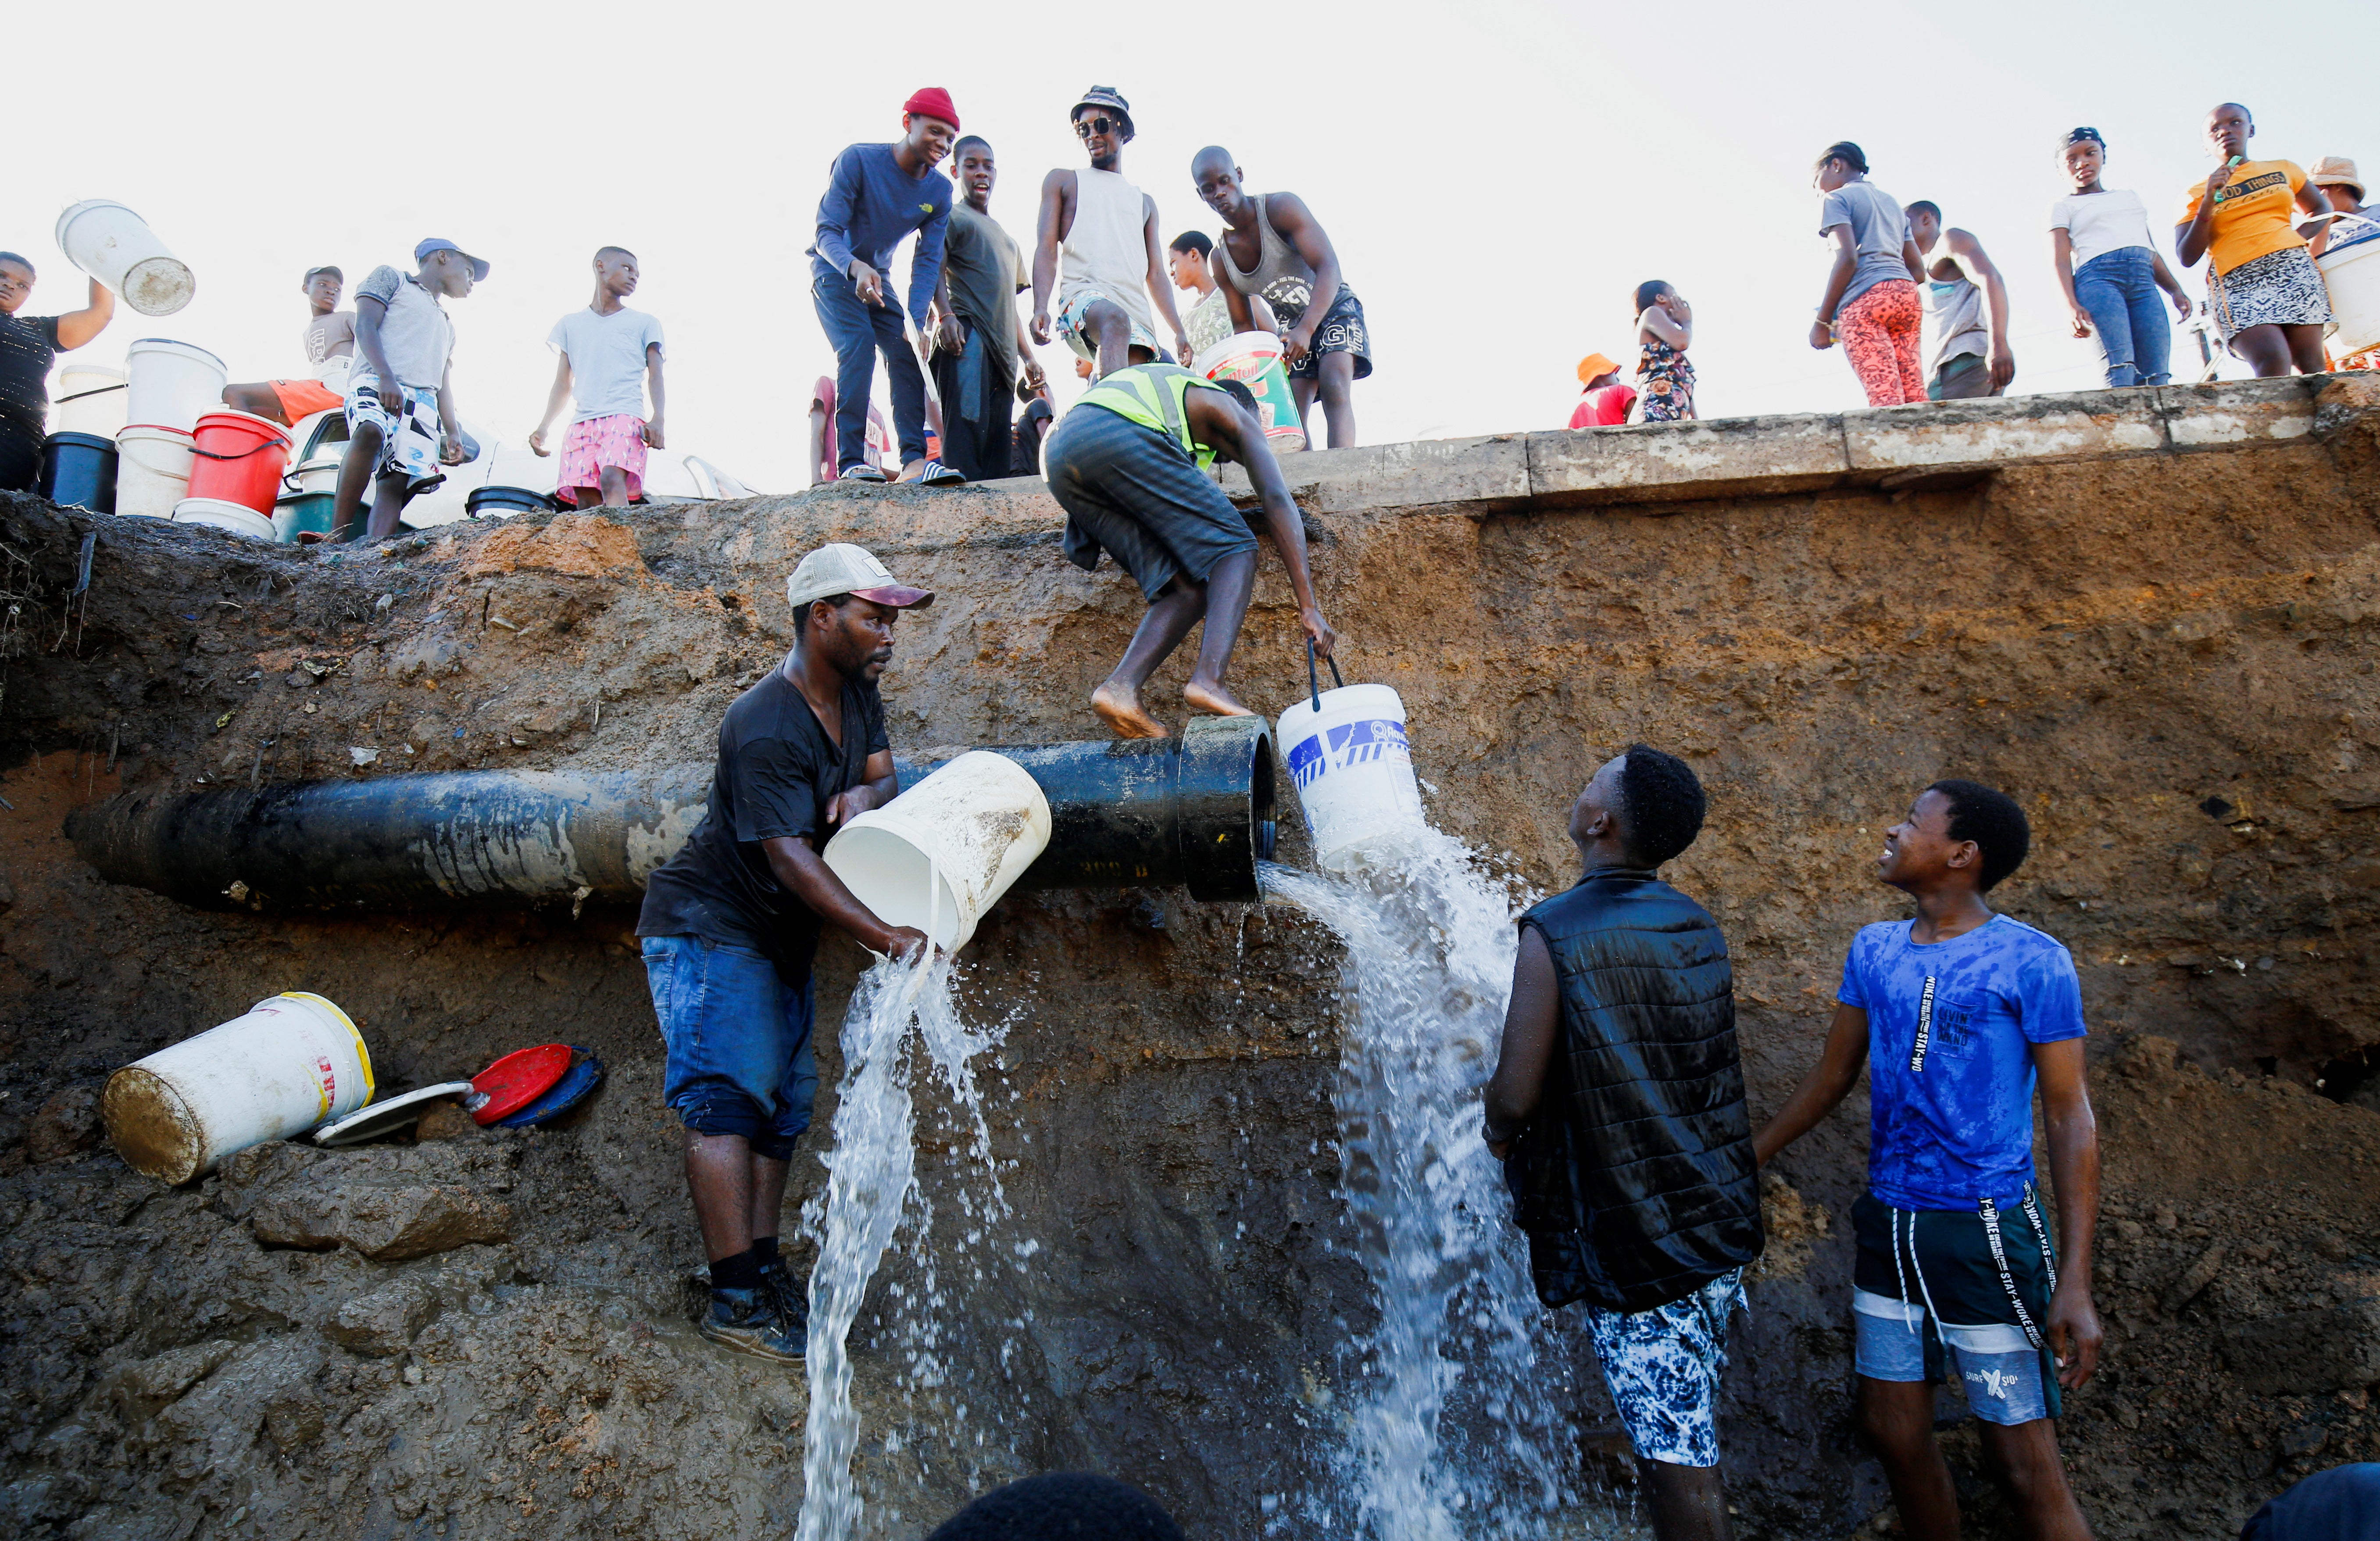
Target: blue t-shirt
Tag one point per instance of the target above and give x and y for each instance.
(1952, 1123)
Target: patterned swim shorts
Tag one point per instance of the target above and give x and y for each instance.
(1662, 1366)
(1341, 331)
(595, 444)
(408, 429)
(1073, 321)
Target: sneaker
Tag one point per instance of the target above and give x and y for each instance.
(793, 1295)
(863, 473)
(935, 474)
(749, 1321)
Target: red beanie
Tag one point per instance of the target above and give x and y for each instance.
(932, 102)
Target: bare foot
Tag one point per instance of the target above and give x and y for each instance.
(1119, 707)
(1214, 698)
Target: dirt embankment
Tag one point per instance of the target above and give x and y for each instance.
(2168, 656)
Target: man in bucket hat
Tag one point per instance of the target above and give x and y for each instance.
(1097, 244)
(731, 924)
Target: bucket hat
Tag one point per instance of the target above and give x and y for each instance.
(1107, 97)
(1596, 364)
(2336, 171)
(842, 568)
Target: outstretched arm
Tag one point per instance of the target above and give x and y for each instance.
(555, 400)
(1830, 1081)
(1217, 420)
(1298, 226)
(78, 327)
(1531, 1023)
(2074, 1332)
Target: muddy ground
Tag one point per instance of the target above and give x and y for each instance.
(2167, 657)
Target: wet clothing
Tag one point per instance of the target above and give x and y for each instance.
(777, 771)
(2255, 214)
(29, 346)
(870, 207)
(1662, 1369)
(1951, 1026)
(1665, 382)
(738, 1056)
(1635, 1183)
(1971, 1285)
(1878, 229)
(2281, 288)
(1122, 465)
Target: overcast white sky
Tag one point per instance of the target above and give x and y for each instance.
(1497, 178)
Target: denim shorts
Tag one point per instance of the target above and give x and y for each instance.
(740, 1059)
(1662, 1367)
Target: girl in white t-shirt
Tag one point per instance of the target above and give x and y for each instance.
(2109, 267)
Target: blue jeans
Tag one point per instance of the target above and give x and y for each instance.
(857, 332)
(737, 1038)
(2127, 314)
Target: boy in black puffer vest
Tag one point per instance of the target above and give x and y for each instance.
(1617, 1107)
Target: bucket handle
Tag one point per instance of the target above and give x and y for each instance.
(1314, 679)
(257, 448)
(94, 391)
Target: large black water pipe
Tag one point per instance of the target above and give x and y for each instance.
(1195, 810)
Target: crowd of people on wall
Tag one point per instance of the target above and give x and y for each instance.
(1921, 311)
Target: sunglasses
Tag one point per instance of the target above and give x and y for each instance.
(1086, 127)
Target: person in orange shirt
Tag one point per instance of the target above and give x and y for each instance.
(2262, 285)
(1602, 401)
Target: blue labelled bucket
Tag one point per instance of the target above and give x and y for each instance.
(78, 470)
(505, 502)
(1353, 767)
(301, 513)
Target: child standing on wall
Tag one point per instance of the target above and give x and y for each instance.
(1665, 328)
(608, 357)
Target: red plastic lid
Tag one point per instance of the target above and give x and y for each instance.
(516, 1081)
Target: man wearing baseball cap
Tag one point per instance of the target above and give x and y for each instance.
(875, 196)
(731, 924)
(1098, 246)
(402, 429)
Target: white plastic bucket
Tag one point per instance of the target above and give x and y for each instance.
(116, 245)
(941, 855)
(89, 400)
(152, 470)
(318, 475)
(291, 1062)
(237, 517)
(1255, 360)
(2352, 275)
(1353, 770)
(173, 384)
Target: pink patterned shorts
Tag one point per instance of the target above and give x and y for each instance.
(595, 444)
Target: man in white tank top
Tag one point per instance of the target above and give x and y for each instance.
(1097, 244)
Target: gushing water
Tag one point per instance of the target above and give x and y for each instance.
(871, 1176)
(1453, 1431)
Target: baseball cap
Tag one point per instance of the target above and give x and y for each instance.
(2336, 171)
(312, 274)
(932, 102)
(434, 245)
(842, 568)
(1104, 96)
(1595, 364)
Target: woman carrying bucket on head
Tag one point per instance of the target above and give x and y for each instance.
(29, 344)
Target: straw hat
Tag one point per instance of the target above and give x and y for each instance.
(2336, 171)
(1595, 364)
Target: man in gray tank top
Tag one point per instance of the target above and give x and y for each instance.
(1273, 246)
(1968, 357)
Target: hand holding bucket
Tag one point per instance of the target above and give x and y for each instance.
(1348, 754)
(116, 245)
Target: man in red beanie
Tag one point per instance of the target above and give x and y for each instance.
(875, 197)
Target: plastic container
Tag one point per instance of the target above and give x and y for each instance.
(291, 1062)
(320, 474)
(300, 512)
(506, 502)
(171, 383)
(90, 400)
(941, 855)
(1348, 754)
(152, 470)
(78, 469)
(2352, 275)
(116, 245)
(516, 1081)
(238, 458)
(386, 1118)
(237, 517)
(1254, 358)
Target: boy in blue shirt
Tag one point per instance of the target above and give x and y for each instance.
(1957, 1016)
(875, 196)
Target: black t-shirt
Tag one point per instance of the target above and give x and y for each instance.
(29, 344)
(777, 772)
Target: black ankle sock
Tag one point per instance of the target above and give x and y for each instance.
(741, 1271)
(764, 1250)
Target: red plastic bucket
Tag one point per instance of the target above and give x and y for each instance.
(239, 458)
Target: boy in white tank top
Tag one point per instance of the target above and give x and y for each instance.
(1097, 244)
